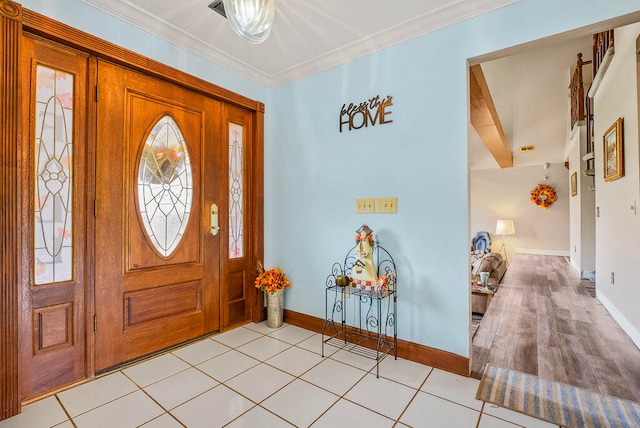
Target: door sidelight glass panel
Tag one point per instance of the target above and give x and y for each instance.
(53, 227)
(236, 191)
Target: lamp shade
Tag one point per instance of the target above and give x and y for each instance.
(250, 19)
(505, 227)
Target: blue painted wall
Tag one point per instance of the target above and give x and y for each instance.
(313, 173)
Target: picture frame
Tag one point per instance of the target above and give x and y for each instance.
(574, 184)
(613, 151)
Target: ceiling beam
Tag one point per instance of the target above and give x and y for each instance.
(485, 120)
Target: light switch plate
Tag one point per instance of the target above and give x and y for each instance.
(387, 205)
(365, 205)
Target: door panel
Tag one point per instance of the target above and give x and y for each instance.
(52, 328)
(161, 164)
(157, 282)
(239, 267)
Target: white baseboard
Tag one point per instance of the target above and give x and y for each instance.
(628, 328)
(564, 253)
(576, 267)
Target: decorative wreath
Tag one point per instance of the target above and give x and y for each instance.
(543, 195)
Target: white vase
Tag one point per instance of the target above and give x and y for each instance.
(275, 309)
(484, 278)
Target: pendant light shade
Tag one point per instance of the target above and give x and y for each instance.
(250, 19)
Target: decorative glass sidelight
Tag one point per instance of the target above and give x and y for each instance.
(53, 205)
(165, 190)
(236, 191)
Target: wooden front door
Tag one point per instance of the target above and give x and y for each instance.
(75, 245)
(158, 171)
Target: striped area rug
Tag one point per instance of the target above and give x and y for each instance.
(555, 402)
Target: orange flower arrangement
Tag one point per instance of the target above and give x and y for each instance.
(271, 280)
(543, 195)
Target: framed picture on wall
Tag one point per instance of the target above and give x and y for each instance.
(574, 184)
(613, 152)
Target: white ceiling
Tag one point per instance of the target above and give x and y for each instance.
(530, 90)
(308, 35)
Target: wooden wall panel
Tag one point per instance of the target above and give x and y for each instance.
(148, 305)
(10, 55)
(237, 312)
(236, 286)
(53, 327)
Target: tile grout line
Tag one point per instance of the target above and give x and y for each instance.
(64, 409)
(155, 401)
(258, 404)
(299, 377)
(106, 402)
(480, 415)
(343, 396)
(418, 390)
(223, 383)
(205, 360)
(202, 393)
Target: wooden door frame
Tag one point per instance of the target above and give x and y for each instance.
(10, 219)
(14, 22)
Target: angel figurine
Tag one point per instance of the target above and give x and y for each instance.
(363, 274)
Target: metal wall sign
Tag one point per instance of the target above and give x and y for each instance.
(367, 113)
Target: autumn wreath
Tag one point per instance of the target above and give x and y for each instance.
(543, 195)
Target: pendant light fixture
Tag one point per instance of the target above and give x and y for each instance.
(250, 19)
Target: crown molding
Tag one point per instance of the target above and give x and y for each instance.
(450, 14)
(453, 12)
(140, 18)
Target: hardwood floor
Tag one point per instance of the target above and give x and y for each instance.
(543, 321)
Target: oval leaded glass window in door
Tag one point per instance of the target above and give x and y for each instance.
(165, 188)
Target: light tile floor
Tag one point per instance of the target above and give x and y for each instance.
(254, 376)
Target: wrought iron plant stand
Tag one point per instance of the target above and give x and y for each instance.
(371, 331)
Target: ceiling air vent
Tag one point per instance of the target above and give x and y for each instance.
(525, 149)
(218, 6)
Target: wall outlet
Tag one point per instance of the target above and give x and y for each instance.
(365, 205)
(387, 205)
(612, 278)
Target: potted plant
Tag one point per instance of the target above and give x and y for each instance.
(273, 281)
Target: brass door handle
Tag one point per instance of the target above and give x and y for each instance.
(213, 220)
